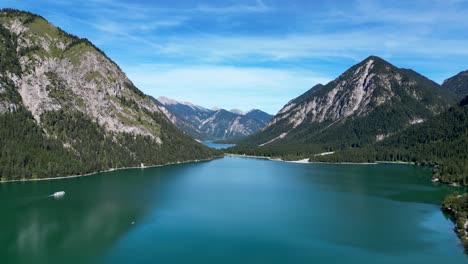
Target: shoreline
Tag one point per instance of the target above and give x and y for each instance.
(301, 161)
(109, 170)
(458, 218)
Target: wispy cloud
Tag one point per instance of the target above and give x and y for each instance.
(354, 45)
(411, 13)
(221, 85)
(406, 29)
(258, 7)
(142, 28)
(244, 46)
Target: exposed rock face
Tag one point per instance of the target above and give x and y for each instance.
(61, 71)
(203, 123)
(373, 91)
(67, 109)
(223, 124)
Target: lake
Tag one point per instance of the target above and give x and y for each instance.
(231, 210)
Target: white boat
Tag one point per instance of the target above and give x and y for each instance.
(58, 194)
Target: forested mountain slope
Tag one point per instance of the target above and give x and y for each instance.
(66, 108)
(458, 84)
(366, 104)
(441, 141)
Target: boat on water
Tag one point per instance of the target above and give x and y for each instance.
(58, 194)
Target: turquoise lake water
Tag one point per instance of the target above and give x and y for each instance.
(231, 210)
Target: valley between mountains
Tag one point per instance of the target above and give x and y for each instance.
(218, 124)
(68, 109)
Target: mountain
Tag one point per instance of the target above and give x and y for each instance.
(66, 108)
(186, 116)
(442, 140)
(458, 84)
(206, 124)
(227, 125)
(367, 103)
(237, 111)
(259, 115)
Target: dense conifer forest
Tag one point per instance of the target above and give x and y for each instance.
(456, 205)
(441, 142)
(72, 144)
(68, 142)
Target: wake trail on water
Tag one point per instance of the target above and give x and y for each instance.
(27, 200)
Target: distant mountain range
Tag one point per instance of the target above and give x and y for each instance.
(214, 124)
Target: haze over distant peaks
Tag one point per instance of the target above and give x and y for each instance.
(211, 124)
(237, 111)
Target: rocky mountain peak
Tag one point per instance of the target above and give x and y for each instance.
(367, 85)
(349, 94)
(60, 71)
(189, 106)
(167, 101)
(372, 86)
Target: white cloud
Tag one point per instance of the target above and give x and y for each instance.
(410, 13)
(355, 45)
(258, 6)
(428, 34)
(406, 28)
(224, 86)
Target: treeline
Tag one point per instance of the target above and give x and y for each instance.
(26, 152)
(411, 95)
(9, 64)
(67, 142)
(441, 142)
(8, 57)
(73, 145)
(285, 152)
(350, 132)
(457, 206)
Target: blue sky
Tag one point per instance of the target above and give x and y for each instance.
(261, 53)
